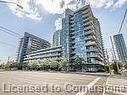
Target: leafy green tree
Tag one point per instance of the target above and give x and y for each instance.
(79, 63)
(46, 64)
(125, 66)
(42, 65)
(116, 66)
(62, 63)
(54, 65)
(109, 68)
(29, 65)
(9, 65)
(1, 66)
(34, 65)
(25, 67)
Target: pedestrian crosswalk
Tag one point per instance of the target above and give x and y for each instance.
(117, 85)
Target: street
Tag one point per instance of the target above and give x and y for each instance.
(58, 83)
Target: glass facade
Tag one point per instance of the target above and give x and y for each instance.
(28, 44)
(81, 36)
(120, 47)
(43, 54)
(80, 48)
(56, 38)
(65, 34)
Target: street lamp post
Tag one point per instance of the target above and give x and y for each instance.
(21, 7)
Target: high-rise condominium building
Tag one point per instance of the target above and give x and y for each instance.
(120, 47)
(81, 37)
(56, 38)
(57, 33)
(28, 44)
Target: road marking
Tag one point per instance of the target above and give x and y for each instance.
(89, 86)
(105, 85)
(119, 93)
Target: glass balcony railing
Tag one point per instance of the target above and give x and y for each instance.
(90, 43)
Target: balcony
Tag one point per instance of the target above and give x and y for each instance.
(87, 19)
(87, 38)
(91, 50)
(72, 18)
(72, 38)
(88, 28)
(85, 11)
(72, 22)
(88, 32)
(72, 52)
(72, 25)
(90, 43)
(86, 15)
(72, 29)
(72, 57)
(95, 55)
(88, 23)
(72, 34)
(72, 44)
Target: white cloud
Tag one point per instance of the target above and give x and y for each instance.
(119, 3)
(100, 3)
(56, 6)
(106, 3)
(58, 24)
(32, 7)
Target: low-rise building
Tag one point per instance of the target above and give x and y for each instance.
(49, 53)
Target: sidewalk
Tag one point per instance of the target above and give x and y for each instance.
(90, 73)
(1, 70)
(117, 85)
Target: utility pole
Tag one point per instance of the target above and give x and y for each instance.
(123, 21)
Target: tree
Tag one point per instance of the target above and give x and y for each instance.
(61, 63)
(34, 65)
(25, 67)
(125, 66)
(0, 66)
(9, 65)
(47, 64)
(116, 66)
(54, 65)
(109, 68)
(42, 65)
(79, 63)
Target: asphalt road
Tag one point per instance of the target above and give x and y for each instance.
(45, 83)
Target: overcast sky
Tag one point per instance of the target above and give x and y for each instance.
(38, 17)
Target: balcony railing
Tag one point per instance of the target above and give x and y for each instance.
(90, 43)
(88, 28)
(85, 11)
